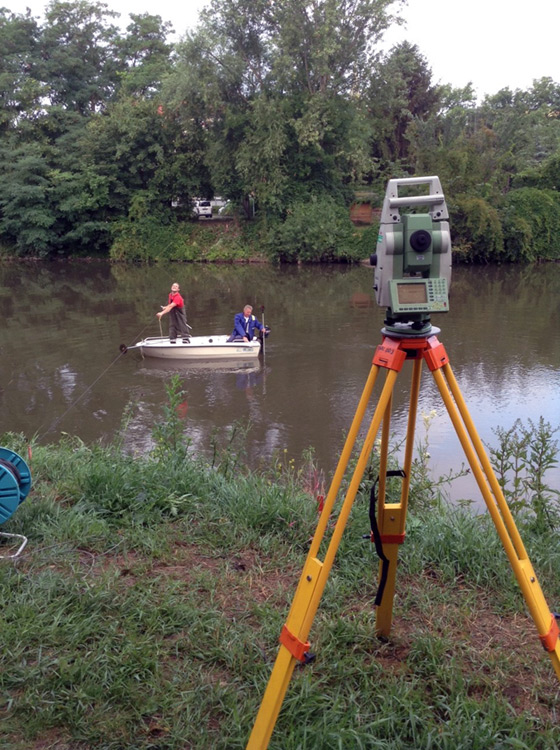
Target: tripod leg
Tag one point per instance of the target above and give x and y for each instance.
(392, 516)
(384, 459)
(343, 462)
(293, 639)
(500, 513)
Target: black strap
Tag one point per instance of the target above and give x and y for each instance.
(377, 536)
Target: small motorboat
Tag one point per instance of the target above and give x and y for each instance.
(208, 348)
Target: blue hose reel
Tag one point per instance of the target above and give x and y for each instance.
(15, 483)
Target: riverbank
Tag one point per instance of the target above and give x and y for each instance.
(326, 236)
(146, 608)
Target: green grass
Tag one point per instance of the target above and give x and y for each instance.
(145, 613)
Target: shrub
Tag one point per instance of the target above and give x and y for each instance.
(318, 229)
(476, 230)
(148, 239)
(531, 221)
(521, 459)
(144, 237)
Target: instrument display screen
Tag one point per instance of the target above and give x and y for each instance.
(419, 295)
(410, 294)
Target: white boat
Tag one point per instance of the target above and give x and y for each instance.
(208, 348)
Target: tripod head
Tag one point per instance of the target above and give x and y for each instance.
(413, 257)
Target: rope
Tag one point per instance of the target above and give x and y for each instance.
(87, 390)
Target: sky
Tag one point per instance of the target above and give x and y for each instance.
(490, 43)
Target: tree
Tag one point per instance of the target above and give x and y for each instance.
(144, 54)
(93, 139)
(275, 90)
(325, 46)
(531, 220)
(526, 123)
(79, 63)
(20, 90)
(545, 175)
(26, 213)
(400, 96)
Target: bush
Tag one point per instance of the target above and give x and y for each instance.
(143, 236)
(531, 221)
(525, 453)
(366, 240)
(148, 239)
(318, 229)
(476, 230)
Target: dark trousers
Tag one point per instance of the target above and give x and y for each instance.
(178, 323)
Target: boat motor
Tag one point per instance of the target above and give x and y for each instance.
(15, 483)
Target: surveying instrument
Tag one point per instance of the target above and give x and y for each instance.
(412, 279)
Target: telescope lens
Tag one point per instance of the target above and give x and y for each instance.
(420, 240)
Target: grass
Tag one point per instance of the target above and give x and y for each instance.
(145, 611)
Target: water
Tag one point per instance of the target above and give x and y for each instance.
(61, 370)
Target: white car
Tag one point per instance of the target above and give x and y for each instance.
(202, 208)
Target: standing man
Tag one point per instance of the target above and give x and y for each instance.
(177, 317)
(244, 325)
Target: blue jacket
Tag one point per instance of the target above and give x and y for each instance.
(240, 328)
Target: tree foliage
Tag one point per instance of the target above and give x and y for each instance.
(477, 231)
(20, 88)
(318, 229)
(531, 220)
(108, 132)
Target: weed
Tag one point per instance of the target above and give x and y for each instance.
(427, 491)
(229, 455)
(168, 435)
(521, 459)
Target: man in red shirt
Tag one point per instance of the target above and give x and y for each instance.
(177, 317)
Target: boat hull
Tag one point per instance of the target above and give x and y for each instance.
(208, 348)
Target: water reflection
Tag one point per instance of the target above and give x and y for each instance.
(60, 367)
(167, 367)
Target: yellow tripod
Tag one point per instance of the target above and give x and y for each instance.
(391, 355)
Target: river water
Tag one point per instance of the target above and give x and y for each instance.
(61, 370)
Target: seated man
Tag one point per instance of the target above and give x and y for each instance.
(244, 325)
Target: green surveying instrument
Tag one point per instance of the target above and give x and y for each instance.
(412, 279)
